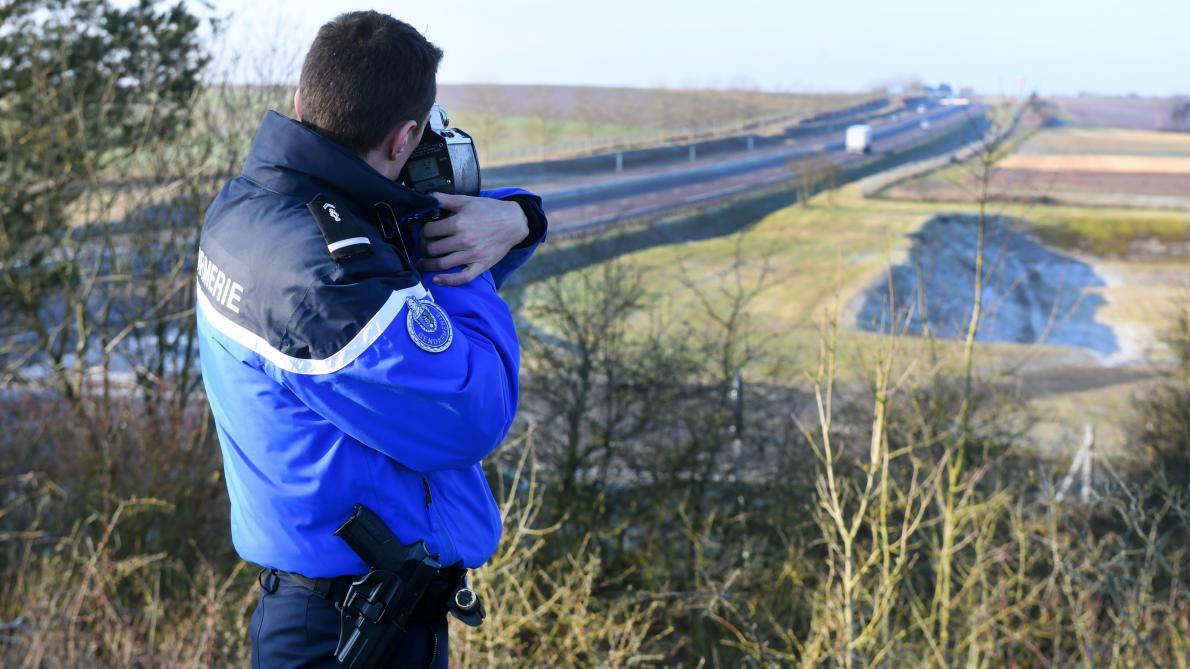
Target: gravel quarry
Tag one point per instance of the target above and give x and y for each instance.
(1032, 294)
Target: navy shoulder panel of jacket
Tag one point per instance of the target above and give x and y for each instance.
(294, 296)
(341, 382)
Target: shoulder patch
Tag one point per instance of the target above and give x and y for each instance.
(428, 325)
(344, 236)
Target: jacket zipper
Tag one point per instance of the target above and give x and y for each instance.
(425, 485)
(448, 546)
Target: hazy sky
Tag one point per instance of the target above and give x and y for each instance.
(1056, 46)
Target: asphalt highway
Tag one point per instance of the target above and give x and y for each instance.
(597, 201)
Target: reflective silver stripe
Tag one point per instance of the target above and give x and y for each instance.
(345, 356)
(347, 242)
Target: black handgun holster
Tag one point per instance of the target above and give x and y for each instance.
(405, 584)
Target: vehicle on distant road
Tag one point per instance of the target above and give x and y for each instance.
(859, 139)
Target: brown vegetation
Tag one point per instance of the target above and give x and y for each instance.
(660, 509)
(687, 517)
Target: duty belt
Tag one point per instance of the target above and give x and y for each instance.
(432, 608)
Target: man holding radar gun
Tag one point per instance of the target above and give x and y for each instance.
(357, 358)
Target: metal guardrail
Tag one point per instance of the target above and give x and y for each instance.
(679, 150)
(853, 172)
(704, 132)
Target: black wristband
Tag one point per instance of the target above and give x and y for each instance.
(534, 217)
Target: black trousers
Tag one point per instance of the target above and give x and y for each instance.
(293, 628)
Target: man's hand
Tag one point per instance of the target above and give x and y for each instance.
(477, 234)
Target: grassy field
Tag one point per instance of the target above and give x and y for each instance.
(809, 257)
(809, 263)
(514, 123)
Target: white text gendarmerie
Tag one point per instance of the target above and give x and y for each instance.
(220, 287)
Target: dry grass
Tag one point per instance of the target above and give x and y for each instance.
(549, 613)
(833, 562)
(837, 248)
(91, 594)
(85, 596)
(803, 258)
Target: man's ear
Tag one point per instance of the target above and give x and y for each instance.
(403, 140)
(297, 103)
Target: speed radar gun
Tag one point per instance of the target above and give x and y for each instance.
(444, 161)
(405, 584)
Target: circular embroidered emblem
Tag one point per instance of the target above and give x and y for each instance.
(428, 325)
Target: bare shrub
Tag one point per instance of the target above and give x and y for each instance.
(597, 381)
(1035, 583)
(86, 587)
(547, 611)
(1163, 428)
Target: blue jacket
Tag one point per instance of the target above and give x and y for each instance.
(334, 382)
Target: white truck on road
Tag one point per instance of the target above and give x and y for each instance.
(858, 139)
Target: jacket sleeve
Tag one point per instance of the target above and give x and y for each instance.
(538, 230)
(428, 411)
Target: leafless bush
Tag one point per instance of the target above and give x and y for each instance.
(1033, 583)
(595, 383)
(550, 611)
(1163, 428)
(84, 586)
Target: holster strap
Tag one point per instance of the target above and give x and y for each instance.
(432, 607)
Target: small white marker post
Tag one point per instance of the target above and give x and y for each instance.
(1081, 466)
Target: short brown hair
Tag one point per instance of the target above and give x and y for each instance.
(365, 73)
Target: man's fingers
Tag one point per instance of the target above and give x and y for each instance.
(443, 227)
(443, 246)
(450, 201)
(450, 197)
(444, 263)
(459, 278)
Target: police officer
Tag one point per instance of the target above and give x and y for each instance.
(348, 356)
